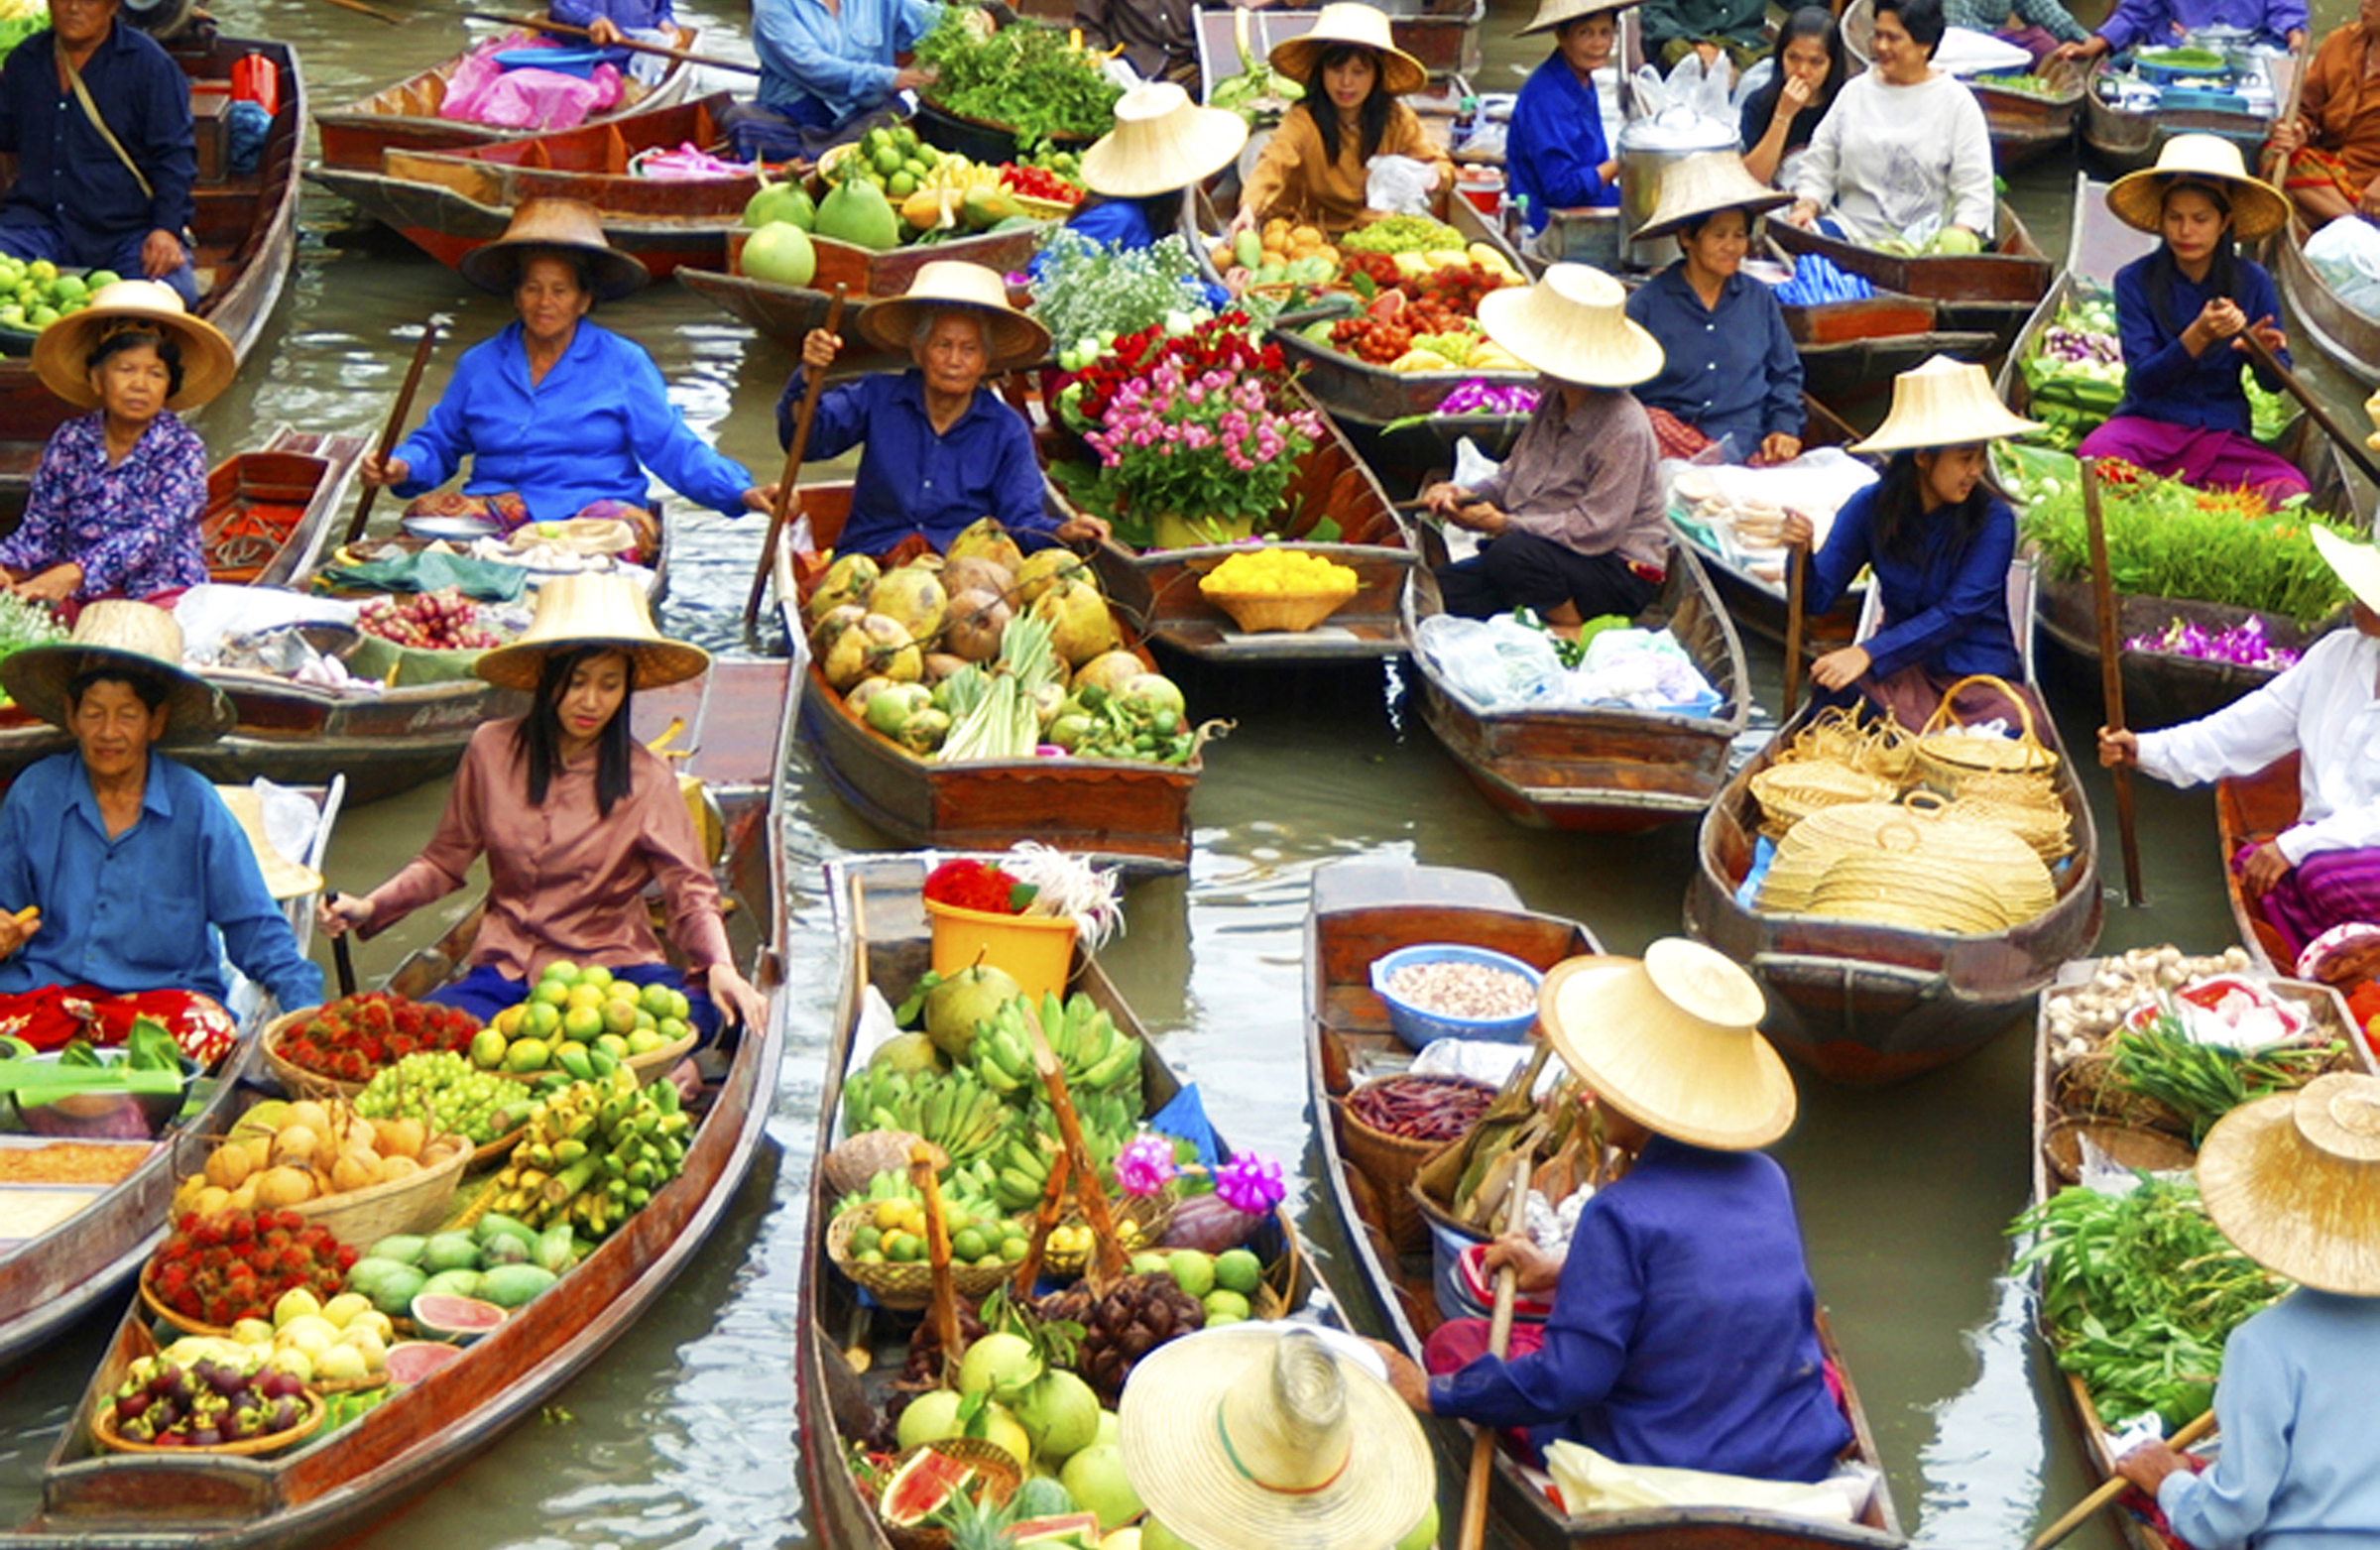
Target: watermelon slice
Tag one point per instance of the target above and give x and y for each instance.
(414, 1361)
(920, 1488)
(1069, 1530)
(457, 1319)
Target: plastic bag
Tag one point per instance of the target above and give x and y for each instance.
(1399, 184)
(2346, 253)
(1492, 663)
(482, 91)
(647, 69)
(1592, 1483)
(1689, 89)
(1644, 669)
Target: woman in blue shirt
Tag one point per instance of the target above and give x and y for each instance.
(1554, 149)
(559, 418)
(1162, 143)
(1729, 367)
(2181, 312)
(1939, 542)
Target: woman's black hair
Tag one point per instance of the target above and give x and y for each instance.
(1923, 19)
(146, 686)
(1901, 508)
(1811, 20)
(2222, 266)
(1693, 226)
(1371, 119)
(541, 736)
(582, 268)
(169, 350)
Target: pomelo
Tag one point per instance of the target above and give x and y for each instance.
(929, 1417)
(1096, 1480)
(781, 254)
(1001, 1364)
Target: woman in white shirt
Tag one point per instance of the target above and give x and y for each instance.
(1902, 142)
(2323, 870)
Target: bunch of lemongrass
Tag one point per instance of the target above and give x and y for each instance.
(1007, 723)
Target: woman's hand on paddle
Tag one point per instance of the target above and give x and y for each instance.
(1534, 1269)
(53, 585)
(334, 917)
(2148, 1465)
(377, 471)
(1444, 498)
(1405, 1376)
(2264, 869)
(734, 996)
(2120, 750)
(2287, 139)
(819, 349)
(2267, 332)
(1796, 532)
(2219, 319)
(16, 929)
(603, 31)
(1840, 669)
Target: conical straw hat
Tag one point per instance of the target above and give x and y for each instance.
(2293, 1180)
(1944, 402)
(2258, 207)
(592, 610)
(2357, 566)
(284, 877)
(1553, 13)
(1704, 185)
(1259, 1434)
(1350, 22)
(1161, 142)
(1573, 324)
(59, 350)
(140, 636)
(1016, 338)
(539, 225)
(1673, 1043)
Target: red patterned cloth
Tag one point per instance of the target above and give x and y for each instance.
(1678, 440)
(56, 1014)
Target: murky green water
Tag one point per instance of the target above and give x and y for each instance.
(681, 1436)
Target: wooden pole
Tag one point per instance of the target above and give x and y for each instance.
(945, 1310)
(784, 489)
(2111, 669)
(1108, 1262)
(396, 424)
(542, 25)
(2113, 1489)
(2349, 445)
(372, 11)
(1473, 1529)
(1797, 589)
(342, 956)
(2297, 60)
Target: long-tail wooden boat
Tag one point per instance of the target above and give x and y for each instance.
(1991, 292)
(1360, 911)
(405, 116)
(1605, 769)
(1870, 1004)
(2348, 336)
(327, 1490)
(1127, 813)
(2025, 126)
(52, 1279)
(2127, 140)
(883, 943)
(246, 231)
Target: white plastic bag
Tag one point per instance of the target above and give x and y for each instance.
(2346, 253)
(1689, 88)
(1494, 663)
(1398, 185)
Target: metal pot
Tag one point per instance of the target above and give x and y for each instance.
(1647, 145)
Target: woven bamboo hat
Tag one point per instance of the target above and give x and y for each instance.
(1553, 13)
(1258, 1434)
(2356, 564)
(592, 610)
(1704, 185)
(1573, 324)
(1016, 338)
(1944, 402)
(139, 636)
(1673, 1043)
(2293, 1180)
(284, 877)
(539, 226)
(2211, 162)
(1162, 141)
(59, 350)
(1350, 22)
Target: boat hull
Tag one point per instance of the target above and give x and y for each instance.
(2128, 142)
(1986, 293)
(2348, 337)
(447, 224)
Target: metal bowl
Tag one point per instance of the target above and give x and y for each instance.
(454, 530)
(104, 1115)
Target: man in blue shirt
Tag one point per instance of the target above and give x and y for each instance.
(941, 450)
(826, 67)
(103, 182)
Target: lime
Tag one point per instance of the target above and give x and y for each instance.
(100, 279)
(596, 975)
(889, 1214)
(582, 1023)
(561, 969)
(904, 1249)
(887, 161)
(900, 186)
(544, 1020)
(41, 270)
(42, 317)
(968, 1246)
(69, 287)
(1011, 1250)
(864, 1239)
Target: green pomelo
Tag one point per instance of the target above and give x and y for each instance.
(857, 213)
(999, 1364)
(781, 254)
(970, 996)
(1096, 1480)
(930, 1418)
(1060, 1414)
(787, 202)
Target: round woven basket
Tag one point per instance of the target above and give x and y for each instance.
(297, 1080)
(1946, 756)
(414, 1204)
(1288, 612)
(2045, 826)
(103, 1432)
(993, 1465)
(1390, 1164)
(2133, 1146)
(1811, 846)
(857, 1161)
(906, 1285)
(1151, 1215)
(188, 1326)
(1917, 892)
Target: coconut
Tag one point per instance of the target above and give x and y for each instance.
(850, 579)
(977, 621)
(1096, 1480)
(976, 574)
(866, 690)
(874, 645)
(912, 598)
(941, 664)
(1079, 625)
(1044, 566)
(1109, 671)
(955, 1005)
(984, 538)
(1059, 1414)
(890, 708)
(829, 628)
(925, 731)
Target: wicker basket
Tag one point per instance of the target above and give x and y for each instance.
(1907, 866)
(858, 1159)
(1289, 613)
(1817, 841)
(908, 1285)
(2045, 825)
(1150, 1214)
(993, 1465)
(1946, 756)
(1918, 892)
(2133, 1146)
(104, 1434)
(1390, 1164)
(414, 1204)
(295, 1079)
(1789, 793)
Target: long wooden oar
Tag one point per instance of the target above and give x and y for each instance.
(342, 956)
(396, 424)
(372, 11)
(1473, 1529)
(2111, 669)
(2349, 445)
(2297, 92)
(539, 24)
(2113, 1489)
(785, 488)
(1797, 590)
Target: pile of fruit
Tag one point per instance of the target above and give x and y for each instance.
(33, 295)
(1276, 253)
(25, 622)
(235, 1264)
(342, 1340)
(286, 1154)
(1423, 314)
(20, 19)
(1274, 570)
(193, 1396)
(353, 1037)
(594, 1155)
(891, 158)
(894, 1234)
(440, 621)
(501, 1260)
(1950, 241)
(444, 1093)
(886, 188)
(1055, 176)
(582, 1023)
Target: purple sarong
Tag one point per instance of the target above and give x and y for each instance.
(2201, 458)
(2328, 888)
(2038, 41)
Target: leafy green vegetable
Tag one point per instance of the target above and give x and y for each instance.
(1026, 78)
(2165, 539)
(2204, 1082)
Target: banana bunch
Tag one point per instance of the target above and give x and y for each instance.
(1096, 1056)
(951, 1109)
(971, 1188)
(958, 175)
(595, 1152)
(1024, 1160)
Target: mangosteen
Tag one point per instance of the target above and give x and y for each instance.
(207, 1437)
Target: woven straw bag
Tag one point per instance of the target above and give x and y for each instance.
(1817, 841)
(1837, 735)
(1912, 865)
(1788, 794)
(1946, 756)
(2040, 821)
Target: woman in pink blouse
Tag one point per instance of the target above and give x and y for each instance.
(576, 820)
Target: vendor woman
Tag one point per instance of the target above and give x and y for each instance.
(1555, 148)
(1315, 169)
(1684, 1331)
(2182, 312)
(1941, 544)
(576, 818)
(1162, 143)
(1729, 367)
(2323, 870)
(1574, 525)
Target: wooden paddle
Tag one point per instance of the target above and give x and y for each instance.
(342, 956)
(2111, 669)
(2113, 1489)
(396, 424)
(2296, 92)
(372, 11)
(945, 1310)
(541, 24)
(785, 488)
(1797, 587)
(1473, 1529)
(2349, 445)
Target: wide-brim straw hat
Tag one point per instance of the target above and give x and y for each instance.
(1257, 1434)
(1553, 13)
(1016, 338)
(59, 350)
(602, 611)
(2293, 1181)
(284, 879)
(2357, 566)
(1706, 183)
(1350, 22)
(570, 226)
(2258, 209)
(1162, 141)
(1673, 1041)
(139, 636)
(1573, 324)
(1944, 402)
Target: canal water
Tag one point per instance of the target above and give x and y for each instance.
(683, 1435)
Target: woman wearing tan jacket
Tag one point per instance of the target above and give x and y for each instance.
(1313, 170)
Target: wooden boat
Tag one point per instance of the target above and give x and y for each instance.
(1126, 812)
(2126, 141)
(2348, 336)
(405, 116)
(1605, 769)
(1870, 1004)
(332, 1487)
(1852, 351)
(1990, 293)
(246, 230)
(1360, 911)
(883, 940)
(2025, 126)
(52, 1279)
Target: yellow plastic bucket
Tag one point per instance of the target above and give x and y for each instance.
(1036, 951)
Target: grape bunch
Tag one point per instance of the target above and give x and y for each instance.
(445, 1092)
(440, 621)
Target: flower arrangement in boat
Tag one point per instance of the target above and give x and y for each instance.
(2243, 645)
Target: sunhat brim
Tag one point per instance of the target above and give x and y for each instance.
(1516, 318)
(1198, 143)
(1553, 13)
(1016, 340)
(660, 663)
(2357, 566)
(1923, 417)
(59, 350)
(1753, 205)
(1400, 73)
(2289, 1205)
(2138, 200)
(1722, 1088)
(37, 678)
(496, 267)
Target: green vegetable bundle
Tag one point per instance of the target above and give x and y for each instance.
(1026, 78)
(2165, 539)
(2204, 1082)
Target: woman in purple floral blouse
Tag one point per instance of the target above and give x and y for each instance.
(116, 504)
